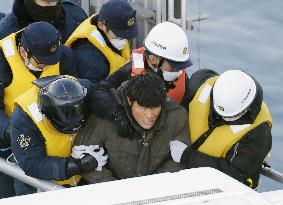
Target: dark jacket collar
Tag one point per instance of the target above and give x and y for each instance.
(20, 11)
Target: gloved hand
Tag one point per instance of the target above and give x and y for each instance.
(79, 152)
(177, 148)
(122, 122)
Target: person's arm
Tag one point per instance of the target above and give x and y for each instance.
(5, 80)
(180, 133)
(103, 102)
(67, 63)
(91, 64)
(243, 160)
(28, 146)
(94, 133)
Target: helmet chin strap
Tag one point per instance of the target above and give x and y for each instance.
(230, 119)
(159, 71)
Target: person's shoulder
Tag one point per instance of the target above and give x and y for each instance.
(95, 124)
(8, 25)
(73, 9)
(20, 117)
(173, 108)
(203, 74)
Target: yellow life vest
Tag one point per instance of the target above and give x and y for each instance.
(22, 77)
(223, 137)
(89, 31)
(56, 143)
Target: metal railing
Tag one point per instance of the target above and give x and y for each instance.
(15, 171)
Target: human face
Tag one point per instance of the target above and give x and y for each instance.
(118, 43)
(44, 3)
(145, 117)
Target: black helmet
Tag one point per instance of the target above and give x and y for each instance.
(62, 102)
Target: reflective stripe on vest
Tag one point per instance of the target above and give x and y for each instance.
(56, 143)
(224, 136)
(89, 31)
(22, 77)
(138, 67)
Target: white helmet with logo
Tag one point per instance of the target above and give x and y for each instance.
(169, 41)
(233, 93)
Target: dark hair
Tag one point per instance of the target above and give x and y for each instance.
(147, 89)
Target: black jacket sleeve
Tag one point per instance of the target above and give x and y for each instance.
(67, 63)
(5, 80)
(91, 64)
(102, 101)
(28, 146)
(242, 161)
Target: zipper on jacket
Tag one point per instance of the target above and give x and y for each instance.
(145, 144)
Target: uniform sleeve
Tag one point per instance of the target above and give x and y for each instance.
(102, 100)
(5, 80)
(90, 62)
(94, 134)
(67, 63)
(243, 160)
(28, 146)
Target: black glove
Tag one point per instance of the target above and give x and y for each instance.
(122, 122)
(79, 166)
(5, 141)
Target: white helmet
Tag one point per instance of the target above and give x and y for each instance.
(233, 93)
(169, 41)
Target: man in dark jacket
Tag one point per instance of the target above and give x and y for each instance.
(156, 120)
(65, 16)
(230, 125)
(24, 56)
(44, 126)
(162, 56)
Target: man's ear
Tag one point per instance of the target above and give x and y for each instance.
(22, 52)
(129, 101)
(154, 60)
(101, 25)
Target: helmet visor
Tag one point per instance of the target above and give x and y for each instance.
(68, 118)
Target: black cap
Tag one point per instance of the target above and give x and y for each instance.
(42, 40)
(120, 18)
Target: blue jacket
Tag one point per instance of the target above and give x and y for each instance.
(33, 158)
(72, 15)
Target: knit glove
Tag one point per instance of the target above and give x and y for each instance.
(78, 152)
